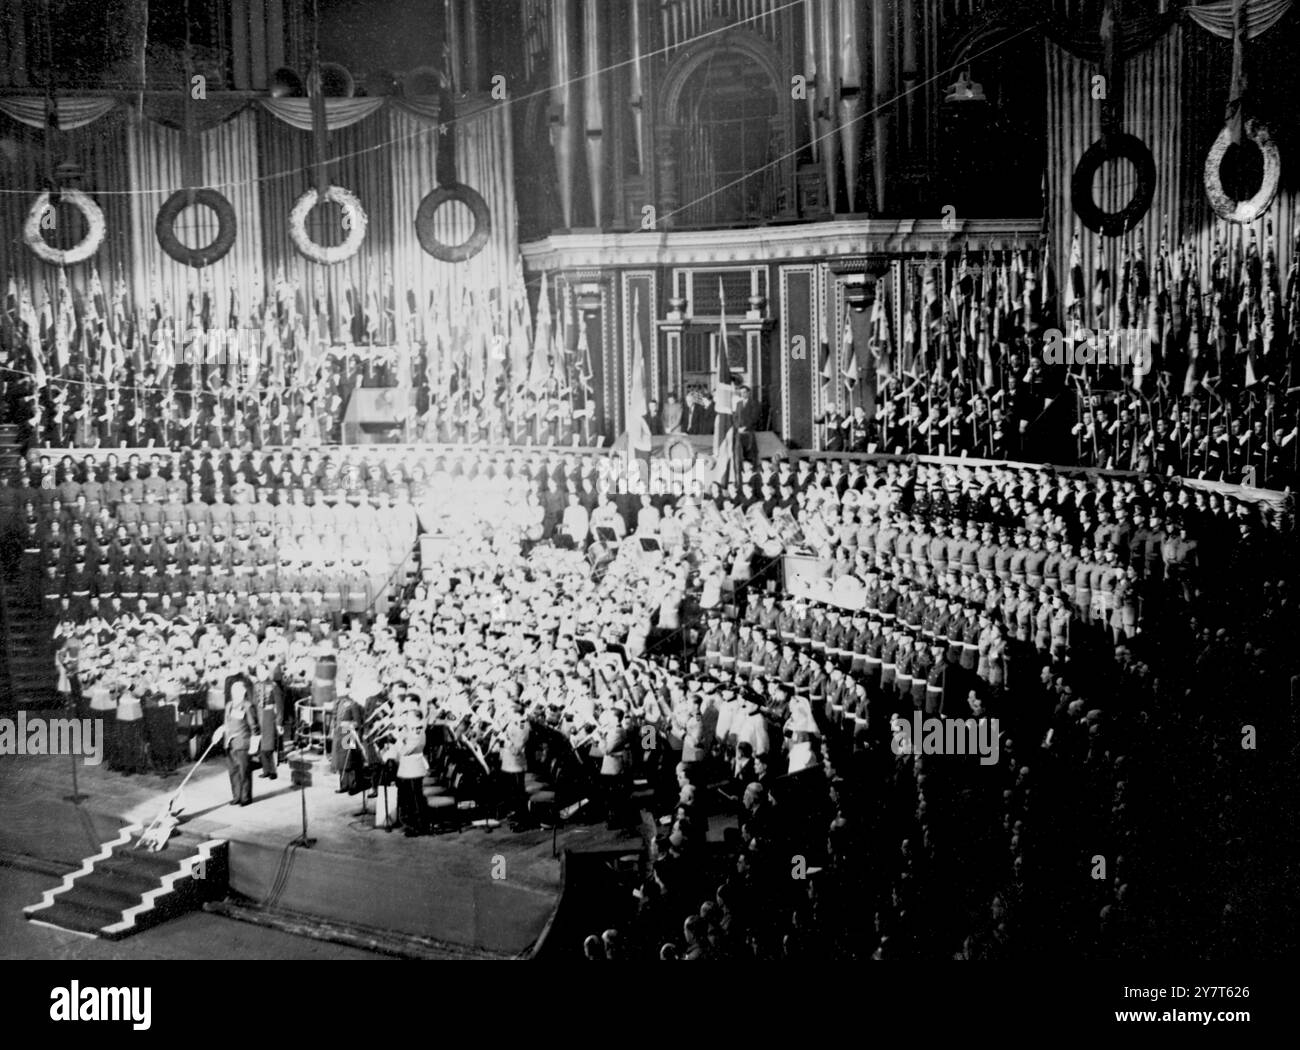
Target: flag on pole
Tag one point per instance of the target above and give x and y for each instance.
(849, 354)
(1150, 340)
(497, 351)
(540, 366)
(1175, 330)
(96, 324)
(1141, 274)
(1247, 324)
(941, 358)
(347, 318)
(984, 347)
(909, 351)
(387, 309)
(1031, 300)
(65, 322)
(1100, 286)
(931, 317)
(828, 368)
(849, 360)
(440, 352)
(27, 314)
(374, 311)
(882, 331)
(1270, 320)
(520, 327)
(638, 429)
(1074, 286)
(564, 341)
(724, 431)
(585, 396)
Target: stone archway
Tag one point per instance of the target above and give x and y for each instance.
(672, 121)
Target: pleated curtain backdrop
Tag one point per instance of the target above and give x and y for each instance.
(98, 149)
(483, 158)
(262, 165)
(1174, 97)
(1207, 63)
(1153, 113)
(228, 163)
(363, 168)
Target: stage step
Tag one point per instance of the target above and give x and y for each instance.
(369, 938)
(123, 889)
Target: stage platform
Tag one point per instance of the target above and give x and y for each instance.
(490, 892)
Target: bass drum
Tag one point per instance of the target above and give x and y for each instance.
(323, 689)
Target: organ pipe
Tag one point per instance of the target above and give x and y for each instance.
(829, 90)
(593, 102)
(564, 118)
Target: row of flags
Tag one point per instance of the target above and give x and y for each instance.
(1236, 321)
(960, 320)
(963, 319)
(478, 351)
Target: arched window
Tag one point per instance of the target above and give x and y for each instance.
(732, 132)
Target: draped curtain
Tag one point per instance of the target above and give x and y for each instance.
(260, 157)
(99, 150)
(1174, 102)
(1153, 113)
(1207, 62)
(228, 162)
(363, 168)
(482, 157)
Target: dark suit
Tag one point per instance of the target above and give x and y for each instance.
(699, 420)
(241, 722)
(270, 702)
(745, 420)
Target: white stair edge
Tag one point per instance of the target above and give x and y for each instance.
(165, 886)
(63, 929)
(87, 866)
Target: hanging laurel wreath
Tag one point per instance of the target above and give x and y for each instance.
(40, 217)
(164, 227)
(424, 227)
(1245, 210)
(354, 225)
(1113, 147)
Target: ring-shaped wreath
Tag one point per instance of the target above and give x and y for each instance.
(1251, 209)
(38, 219)
(1116, 146)
(164, 227)
(435, 199)
(354, 225)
